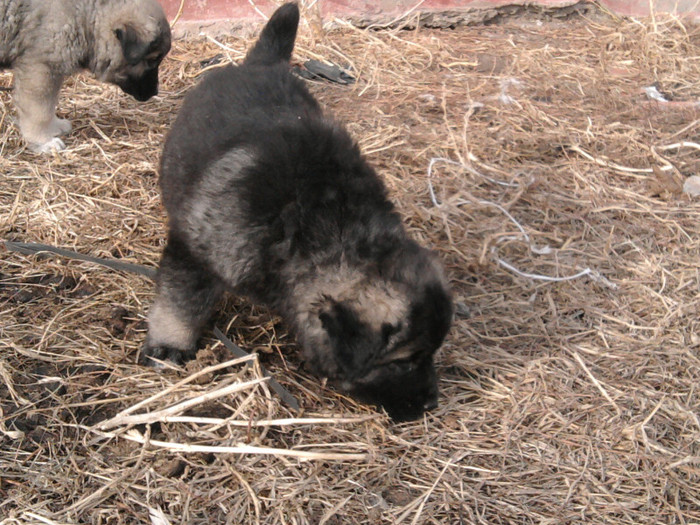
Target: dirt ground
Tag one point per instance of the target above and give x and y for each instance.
(544, 159)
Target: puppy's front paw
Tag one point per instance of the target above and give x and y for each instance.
(151, 354)
(54, 144)
(61, 126)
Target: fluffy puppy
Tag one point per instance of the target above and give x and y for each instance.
(269, 199)
(45, 41)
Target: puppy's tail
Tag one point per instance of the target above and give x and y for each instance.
(276, 40)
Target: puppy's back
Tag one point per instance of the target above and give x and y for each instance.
(233, 107)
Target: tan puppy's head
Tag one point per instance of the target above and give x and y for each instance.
(133, 38)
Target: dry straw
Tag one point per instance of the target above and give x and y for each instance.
(561, 402)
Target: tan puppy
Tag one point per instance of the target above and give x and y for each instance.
(45, 41)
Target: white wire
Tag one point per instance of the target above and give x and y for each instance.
(508, 266)
(540, 251)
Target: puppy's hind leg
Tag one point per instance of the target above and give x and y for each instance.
(186, 294)
(36, 95)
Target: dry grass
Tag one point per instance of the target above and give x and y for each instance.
(561, 402)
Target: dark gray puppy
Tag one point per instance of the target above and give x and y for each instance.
(269, 199)
(45, 41)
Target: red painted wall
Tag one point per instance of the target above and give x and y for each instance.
(208, 10)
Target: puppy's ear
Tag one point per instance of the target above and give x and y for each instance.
(350, 338)
(133, 48)
(431, 315)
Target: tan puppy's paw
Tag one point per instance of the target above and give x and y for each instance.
(54, 144)
(60, 126)
(44, 138)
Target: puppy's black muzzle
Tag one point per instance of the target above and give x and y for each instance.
(141, 88)
(406, 396)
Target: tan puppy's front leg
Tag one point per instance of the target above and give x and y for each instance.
(36, 95)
